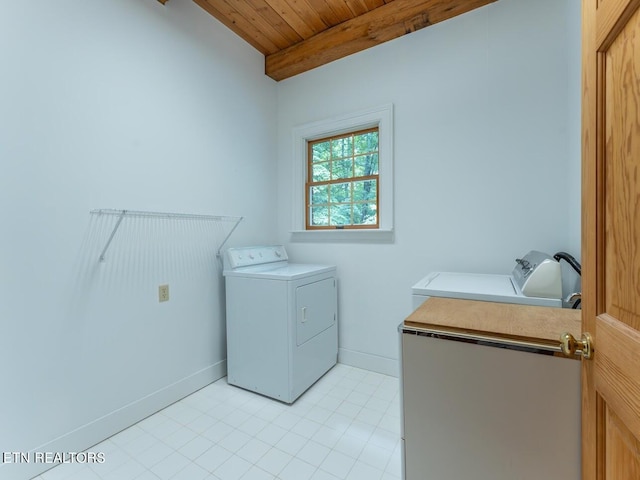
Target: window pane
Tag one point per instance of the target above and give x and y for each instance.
(319, 194)
(342, 168)
(320, 216)
(366, 142)
(341, 214)
(321, 151)
(365, 191)
(321, 172)
(364, 213)
(342, 147)
(340, 193)
(366, 165)
(342, 180)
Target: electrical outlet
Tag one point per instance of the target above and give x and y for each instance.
(163, 293)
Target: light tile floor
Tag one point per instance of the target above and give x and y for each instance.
(346, 427)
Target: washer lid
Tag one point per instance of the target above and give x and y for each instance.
(476, 286)
(280, 271)
(442, 284)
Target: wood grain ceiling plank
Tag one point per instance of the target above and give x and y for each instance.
(373, 4)
(253, 12)
(293, 18)
(341, 9)
(326, 13)
(276, 26)
(360, 7)
(305, 11)
(385, 23)
(238, 24)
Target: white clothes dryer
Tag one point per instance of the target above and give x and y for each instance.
(282, 332)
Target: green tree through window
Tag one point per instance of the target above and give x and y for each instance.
(342, 188)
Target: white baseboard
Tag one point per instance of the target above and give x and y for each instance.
(367, 361)
(91, 434)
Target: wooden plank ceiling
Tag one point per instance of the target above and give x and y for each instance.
(298, 35)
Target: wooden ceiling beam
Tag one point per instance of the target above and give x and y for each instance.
(385, 23)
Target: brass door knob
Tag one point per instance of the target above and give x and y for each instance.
(570, 346)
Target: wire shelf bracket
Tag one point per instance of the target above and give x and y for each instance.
(121, 214)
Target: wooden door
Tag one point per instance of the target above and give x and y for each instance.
(611, 238)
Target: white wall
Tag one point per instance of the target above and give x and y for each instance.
(487, 160)
(122, 104)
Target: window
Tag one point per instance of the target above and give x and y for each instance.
(342, 181)
(343, 177)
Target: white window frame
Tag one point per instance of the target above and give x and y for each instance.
(381, 117)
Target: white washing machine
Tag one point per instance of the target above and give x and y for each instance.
(282, 321)
(535, 280)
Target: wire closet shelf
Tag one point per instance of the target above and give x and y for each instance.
(220, 220)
